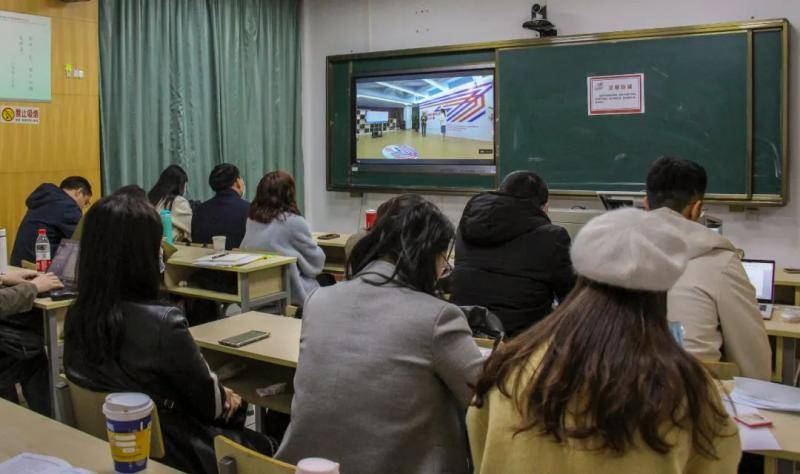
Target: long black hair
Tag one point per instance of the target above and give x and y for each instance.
(118, 262)
(170, 184)
(411, 233)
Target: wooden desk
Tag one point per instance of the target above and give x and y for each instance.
(263, 363)
(258, 283)
(23, 430)
(51, 311)
(334, 251)
(786, 429)
(786, 336)
(791, 280)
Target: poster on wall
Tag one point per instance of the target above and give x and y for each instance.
(14, 114)
(616, 95)
(24, 57)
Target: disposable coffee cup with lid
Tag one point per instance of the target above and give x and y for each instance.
(128, 424)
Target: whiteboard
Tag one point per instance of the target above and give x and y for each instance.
(24, 57)
(375, 116)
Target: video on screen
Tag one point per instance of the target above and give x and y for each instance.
(426, 118)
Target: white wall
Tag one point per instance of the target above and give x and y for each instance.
(345, 26)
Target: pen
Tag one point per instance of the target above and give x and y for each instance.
(219, 255)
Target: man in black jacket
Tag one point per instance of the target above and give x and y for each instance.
(509, 257)
(56, 209)
(225, 213)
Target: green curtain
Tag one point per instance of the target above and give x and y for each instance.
(198, 83)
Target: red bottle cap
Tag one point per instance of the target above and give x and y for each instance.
(42, 231)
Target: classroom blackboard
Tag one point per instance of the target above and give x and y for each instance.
(716, 94)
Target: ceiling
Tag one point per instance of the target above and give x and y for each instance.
(399, 93)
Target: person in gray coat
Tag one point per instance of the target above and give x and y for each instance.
(274, 224)
(385, 366)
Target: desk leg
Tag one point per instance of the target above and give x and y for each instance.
(51, 340)
(788, 359)
(244, 289)
(287, 289)
(797, 295)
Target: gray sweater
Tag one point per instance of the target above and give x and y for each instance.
(382, 380)
(289, 235)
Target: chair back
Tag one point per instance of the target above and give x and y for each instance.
(722, 370)
(87, 409)
(233, 458)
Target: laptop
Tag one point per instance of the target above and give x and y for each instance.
(761, 274)
(64, 266)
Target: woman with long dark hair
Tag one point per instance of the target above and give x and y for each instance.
(275, 225)
(385, 365)
(167, 194)
(119, 338)
(601, 385)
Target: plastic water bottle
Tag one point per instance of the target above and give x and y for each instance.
(166, 224)
(3, 253)
(43, 259)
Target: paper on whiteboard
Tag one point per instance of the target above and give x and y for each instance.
(616, 95)
(24, 57)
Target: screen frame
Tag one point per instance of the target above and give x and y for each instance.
(454, 166)
(774, 270)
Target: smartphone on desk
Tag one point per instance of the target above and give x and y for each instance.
(244, 339)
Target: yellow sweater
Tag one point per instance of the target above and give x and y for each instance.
(496, 450)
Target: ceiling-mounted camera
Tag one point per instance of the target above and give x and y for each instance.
(539, 22)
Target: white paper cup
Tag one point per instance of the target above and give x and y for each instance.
(128, 424)
(219, 242)
(317, 466)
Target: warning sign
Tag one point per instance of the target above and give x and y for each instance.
(18, 114)
(615, 95)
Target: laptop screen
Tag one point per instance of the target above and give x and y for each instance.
(66, 261)
(761, 274)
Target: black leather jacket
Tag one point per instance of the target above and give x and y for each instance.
(159, 357)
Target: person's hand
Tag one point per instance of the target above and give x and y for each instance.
(46, 282)
(232, 403)
(17, 277)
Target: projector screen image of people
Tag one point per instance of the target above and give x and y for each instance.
(431, 118)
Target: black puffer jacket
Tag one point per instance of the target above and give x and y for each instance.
(158, 357)
(511, 259)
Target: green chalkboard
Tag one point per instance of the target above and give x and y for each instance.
(695, 106)
(716, 94)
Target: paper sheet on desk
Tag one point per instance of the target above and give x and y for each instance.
(228, 260)
(752, 439)
(766, 395)
(28, 463)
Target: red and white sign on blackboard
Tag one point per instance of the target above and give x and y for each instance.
(616, 95)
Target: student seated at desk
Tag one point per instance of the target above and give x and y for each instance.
(225, 213)
(167, 194)
(509, 257)
(55, 209)
(22, 356)
(713, 299)
(119, 338)
(601, 386)
(385, 366)
(275, 225)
